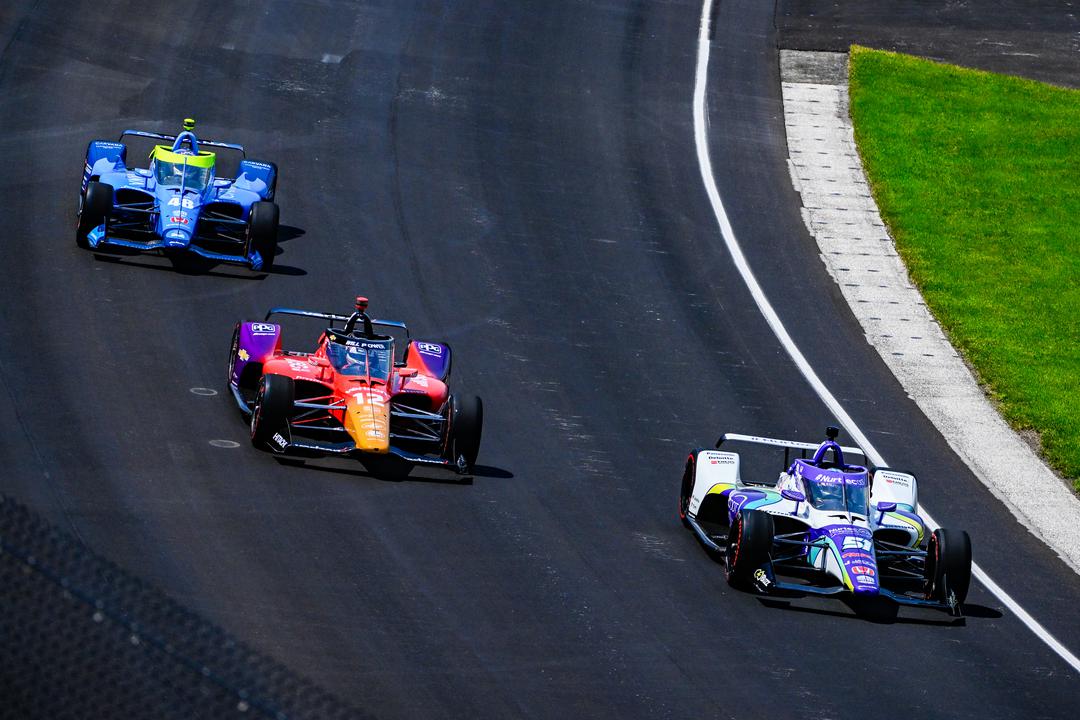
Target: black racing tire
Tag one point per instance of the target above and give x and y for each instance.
(466, 428)
(95, 206)
(687, 489)
(749, 545)
(273, 406)
(262, 231)
(948, 566)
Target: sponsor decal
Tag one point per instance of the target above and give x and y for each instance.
(901, 480)
(735, 503)
(297, 365)
(762, 579)
(865, 580)
(254, 163)
(280, 440)
(838, 479)
(104, 144)
(263, 328)
(862, 570)
(367, 344)
(835, 530)
(243, 354)
(178, 219)
(429, 348)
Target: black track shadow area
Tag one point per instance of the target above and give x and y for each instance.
(882, 613)
(417, 474)
(191, 264)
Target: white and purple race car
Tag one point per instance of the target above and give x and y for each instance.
(825, 527)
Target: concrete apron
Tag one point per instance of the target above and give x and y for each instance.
(860, 255)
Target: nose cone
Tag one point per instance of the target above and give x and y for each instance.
(367, 420)
(864, 575)
(176, 238)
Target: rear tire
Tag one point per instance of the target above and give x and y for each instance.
(748, 547)
(273, 406)
(95, 206)
(262, 231)
(948, 566)
(466, 428)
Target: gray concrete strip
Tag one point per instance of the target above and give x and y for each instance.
(861, 257)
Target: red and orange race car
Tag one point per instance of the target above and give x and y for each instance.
(351, 396)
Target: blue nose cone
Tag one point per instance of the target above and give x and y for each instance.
(176, 238)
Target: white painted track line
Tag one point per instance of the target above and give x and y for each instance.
(701, 142)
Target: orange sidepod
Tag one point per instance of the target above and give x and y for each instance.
(367, 420)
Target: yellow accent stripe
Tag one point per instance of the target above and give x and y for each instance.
(912, 523)
(164, 153)
(719, 488)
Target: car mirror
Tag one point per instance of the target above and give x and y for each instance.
(793, 495)
(884, 507)
(407, 372)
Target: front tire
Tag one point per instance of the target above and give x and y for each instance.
(94, 207)
(262, 231)
(749, 544)
(270, 415)
(947, 574)
(466, 428)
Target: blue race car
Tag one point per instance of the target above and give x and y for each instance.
(178, 204)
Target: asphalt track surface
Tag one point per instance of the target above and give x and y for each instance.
(519, 179)
(1037, 39)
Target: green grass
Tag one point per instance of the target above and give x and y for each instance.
(978, 178)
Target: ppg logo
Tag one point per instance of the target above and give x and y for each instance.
(267, 328)
(429, 348)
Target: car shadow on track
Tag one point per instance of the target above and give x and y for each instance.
(883, 613)
(190, 264)
(417, 475)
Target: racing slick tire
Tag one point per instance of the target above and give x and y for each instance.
(270, 414)
(748, 546)
(262, 231)
(466, 427)
(687, 489)
(948, 567)
(94, 206)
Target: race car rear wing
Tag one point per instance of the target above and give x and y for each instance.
(162, 136)
(788, 445)
(333, 317)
